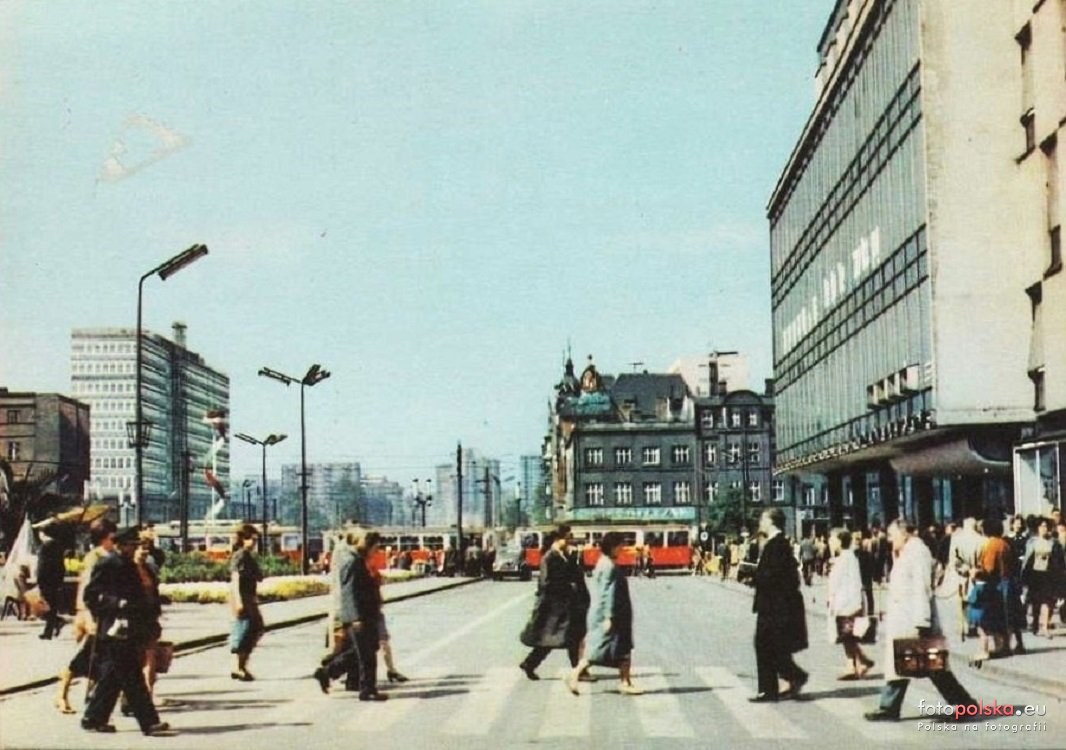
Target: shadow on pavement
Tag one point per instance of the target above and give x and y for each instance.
(180, 731)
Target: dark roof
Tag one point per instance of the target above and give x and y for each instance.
(645, 390)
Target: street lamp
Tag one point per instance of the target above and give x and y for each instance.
(266, 442)
(422, 501)
(315, 374)
(140, 437)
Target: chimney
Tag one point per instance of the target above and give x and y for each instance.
(179, 334)
(769, 387)
(712, 377)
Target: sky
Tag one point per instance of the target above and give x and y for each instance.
(431, 200)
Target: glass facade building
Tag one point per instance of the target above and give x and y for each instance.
(179, 388)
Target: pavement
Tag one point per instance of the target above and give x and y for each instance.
(1041, 669)
(29, 662)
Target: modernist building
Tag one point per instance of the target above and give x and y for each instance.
(914, 252)
(382, 503)
(45, 434)
(1040, 69)
(534, 491)
(482, 489)
(333, 493)
(179, 389)
(641, 447)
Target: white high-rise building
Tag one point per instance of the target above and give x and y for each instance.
(179, 388)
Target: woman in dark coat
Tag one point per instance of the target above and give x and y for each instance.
(558, 617)
(610, 626)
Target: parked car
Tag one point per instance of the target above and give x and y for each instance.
(511, 562)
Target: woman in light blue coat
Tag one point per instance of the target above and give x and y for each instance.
(609, 642)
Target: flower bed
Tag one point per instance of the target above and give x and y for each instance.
(272, 589)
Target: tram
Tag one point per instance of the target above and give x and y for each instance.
(666, 545)
(214, 539)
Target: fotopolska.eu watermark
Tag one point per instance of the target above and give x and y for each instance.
(972, 713)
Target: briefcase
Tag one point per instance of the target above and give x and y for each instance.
(920, 657)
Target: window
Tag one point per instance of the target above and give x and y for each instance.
(736, 485)
(734, 453)
(651, 456)
(1037, 376)
(1029, 125)
(755, 491)
(682, 493)
(594, 456)
(711, 492)
(12, 416)
(753, 418)
(1055, 240)
(710, 454)
(779, 491)
(653, 493)
(594, 493)
(12, 451)
(623, 456)
(623, 493)
(680, 454)
(753, 453)
(735, 418)
(707, 420)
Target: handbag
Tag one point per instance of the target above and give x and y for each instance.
(920, 657)
(163, 652)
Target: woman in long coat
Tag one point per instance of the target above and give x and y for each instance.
(610, 625)
(558, 617)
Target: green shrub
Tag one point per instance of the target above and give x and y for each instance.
(194, 566)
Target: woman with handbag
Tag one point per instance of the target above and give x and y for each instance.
(245, 576)
(911, 617)
(845, 599)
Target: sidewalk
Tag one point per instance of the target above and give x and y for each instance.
(1042, 669)
(29, 662)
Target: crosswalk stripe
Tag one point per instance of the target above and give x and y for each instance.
(848, 711)
(659, 710)
(382, 716)
(761, 720)
(566, 714)
(485, 701)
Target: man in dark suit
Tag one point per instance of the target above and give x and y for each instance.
(124, 616)
(360, 611)
(780, 625)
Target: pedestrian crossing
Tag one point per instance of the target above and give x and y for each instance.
(678, 703)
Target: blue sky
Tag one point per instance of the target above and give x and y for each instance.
(430, 199)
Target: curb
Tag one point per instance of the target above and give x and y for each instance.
(218, 638)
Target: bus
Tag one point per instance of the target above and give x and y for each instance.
(668, 545)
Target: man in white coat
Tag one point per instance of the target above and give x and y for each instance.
(911, 614)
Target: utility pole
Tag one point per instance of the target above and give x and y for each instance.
(490, 519)
(459, 498)
(184, 502)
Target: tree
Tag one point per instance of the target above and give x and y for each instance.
(730, 515)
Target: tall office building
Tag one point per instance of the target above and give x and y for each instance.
(482, 493)
(534, 495)
(179, 389)
(914, 254)
(333, 493)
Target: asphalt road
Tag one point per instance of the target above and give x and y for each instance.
(694, 657)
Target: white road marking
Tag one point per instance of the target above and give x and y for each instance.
(484, 703)
(659, 711)
(761, 720)
(566, 714)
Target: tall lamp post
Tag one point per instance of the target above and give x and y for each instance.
(140, 438)
(315, 374)
(266, 442)
(421, 501)
(247, 499)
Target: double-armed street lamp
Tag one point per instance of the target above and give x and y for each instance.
(247, 499)
(139, 437)
(421, 501)
(266, 442)
(315, 374)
